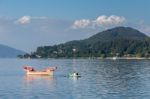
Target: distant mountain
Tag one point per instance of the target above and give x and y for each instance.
(117, 33)
(119, 41)
(9, 52)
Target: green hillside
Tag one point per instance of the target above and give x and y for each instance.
(119, 41)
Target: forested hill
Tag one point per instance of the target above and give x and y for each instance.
(117, 33)
(119, 41)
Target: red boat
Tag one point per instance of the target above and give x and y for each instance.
(31, 71)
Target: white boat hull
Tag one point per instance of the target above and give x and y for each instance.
(40, 73)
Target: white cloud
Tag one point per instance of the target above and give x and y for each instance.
(27, 19)
(81, 23)
(101, 21)
(145, 29)
(110, 20)
(24, 20)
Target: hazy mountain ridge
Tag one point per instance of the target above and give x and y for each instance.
(9, 52)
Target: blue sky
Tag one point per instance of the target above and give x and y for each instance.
(27, 24)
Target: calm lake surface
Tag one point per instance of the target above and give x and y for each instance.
(101, 79)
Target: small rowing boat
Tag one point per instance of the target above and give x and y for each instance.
(31, 71)
(74, 75)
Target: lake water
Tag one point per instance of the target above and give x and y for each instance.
(101, 79)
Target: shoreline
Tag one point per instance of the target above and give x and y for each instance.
(127, 58)
(111, 58)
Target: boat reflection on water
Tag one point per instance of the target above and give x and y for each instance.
(36, 80)
(37, 83)
(74, 78)
(30, 78)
